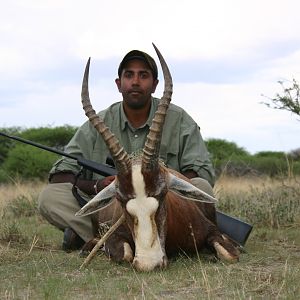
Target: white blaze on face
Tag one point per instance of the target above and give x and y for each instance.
(148, 252)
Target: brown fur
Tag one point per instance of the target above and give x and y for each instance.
(183, 225)
(179, 223)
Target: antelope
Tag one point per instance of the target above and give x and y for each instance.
(161, 212)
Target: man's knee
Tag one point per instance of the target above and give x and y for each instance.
(203, 185)
(44, 199)
(53, 196)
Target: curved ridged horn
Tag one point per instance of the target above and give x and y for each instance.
(119, 155)
(152, 145)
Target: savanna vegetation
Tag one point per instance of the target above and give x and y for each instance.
(262, 189)
(27, 162)
(33, 266)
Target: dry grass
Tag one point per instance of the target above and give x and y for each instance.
(261, 201)
(230, 185)
(12, 191)
(32, 266)
(29, 190)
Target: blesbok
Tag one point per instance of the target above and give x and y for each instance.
(163, 212)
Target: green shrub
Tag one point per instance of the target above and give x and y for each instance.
(28, 162)
(294, 154)
(222, 149)
(56, 137)
(271, 154)
(257, 165)
(295, 167)
(17, 158)
(227, 157)
(237, 165)
(271, 166)
(5, 143)
(3, 175)
(232, 160)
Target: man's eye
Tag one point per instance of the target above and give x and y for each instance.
(144, 75)
(128, 75)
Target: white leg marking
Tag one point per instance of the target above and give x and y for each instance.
(128, 254)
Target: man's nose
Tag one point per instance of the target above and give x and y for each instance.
(136, 79)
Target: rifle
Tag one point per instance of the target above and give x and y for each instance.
(235, 228)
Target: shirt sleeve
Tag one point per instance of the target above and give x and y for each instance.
(193, 152)
(182, 146)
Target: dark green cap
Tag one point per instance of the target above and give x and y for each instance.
(137, 54)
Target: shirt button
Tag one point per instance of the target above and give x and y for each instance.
(136, 136)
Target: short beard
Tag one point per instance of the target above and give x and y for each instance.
(137, 103)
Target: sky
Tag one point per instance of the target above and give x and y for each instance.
(226, 58)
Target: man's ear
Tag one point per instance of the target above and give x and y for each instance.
(155, 83)
(118, 83)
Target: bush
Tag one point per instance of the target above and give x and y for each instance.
(26, 161)
(294, 154)
(3, 175)
(295, 167)
(271, 154)
(227, 157)
(56, 137)
(257, 165)
(230, 159)
(236, 166)
(29, 162)
(271, 166)
(222, 149)
(5, 143)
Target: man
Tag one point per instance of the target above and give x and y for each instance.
(182, 148)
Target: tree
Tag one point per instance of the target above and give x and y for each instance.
(224, 150)
(289, 100)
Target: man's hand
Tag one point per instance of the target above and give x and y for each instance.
(91, 187)
(102, 183)
(190, 174)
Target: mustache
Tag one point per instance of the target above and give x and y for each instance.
(135, 91)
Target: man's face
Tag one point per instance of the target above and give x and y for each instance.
(136, 84)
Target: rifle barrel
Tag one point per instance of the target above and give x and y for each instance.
(235, 228)
(38, 145)
(101, 169)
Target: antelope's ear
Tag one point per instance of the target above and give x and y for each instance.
(189, 191)
(100, 201)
